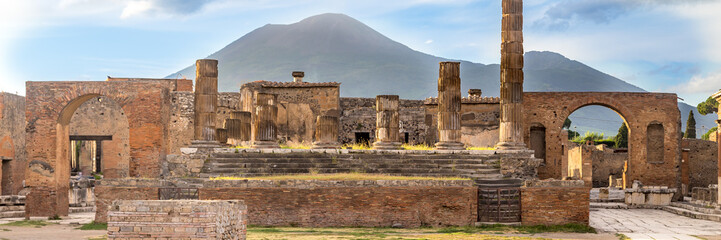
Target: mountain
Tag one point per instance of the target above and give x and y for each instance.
(337, 48)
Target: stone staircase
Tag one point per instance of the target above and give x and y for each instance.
(12, 206)
(245, 164)
(694, 211)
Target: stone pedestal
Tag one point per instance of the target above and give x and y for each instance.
(387, 121)
(222, 135)
(449, 107)
(265, 132)
(511, 128)
(206, 102)
(244, 130)
(326, 133)
(233, 128)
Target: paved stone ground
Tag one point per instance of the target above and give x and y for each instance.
(653, 224)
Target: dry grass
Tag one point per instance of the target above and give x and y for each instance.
(338, 177)
(294, 145)
(357, 146)
(417, 147)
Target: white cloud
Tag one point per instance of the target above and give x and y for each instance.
(429, 41)
(136, 8)
(700, 84)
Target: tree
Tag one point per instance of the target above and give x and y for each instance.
(708, 106)
(707, 135)
(622, 137)
(690, 126)
(567, 124)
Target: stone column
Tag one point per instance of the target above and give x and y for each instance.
(449, 107)
(232, 127)
(265, 134)
(387, 135)
(511, 129)
(326, 133)
(222, 135)
(717, 96)
(206, 101)
(239, 130)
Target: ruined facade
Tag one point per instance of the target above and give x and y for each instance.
(358, 118)
(702, 162)
(12, 143)
(653, 120)
(479, 119)
(594, 164)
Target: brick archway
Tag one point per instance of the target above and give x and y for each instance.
(637, 109)
(49, 108)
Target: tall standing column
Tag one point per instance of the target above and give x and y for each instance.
(511, 129)
(206, 101)
(449, 106)
(326, 133)
(387, 119)
(265, 134)
(717, 96)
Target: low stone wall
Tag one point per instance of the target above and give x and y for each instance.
(109, 190)
(649, 196)
(312, 203)
(554, 202)
(177, 219)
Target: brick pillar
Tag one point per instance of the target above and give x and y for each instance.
(511, 129)
(206, 101)
(233, 130)
(326, 133)
(387, 121)
(265, 134)
(245, 126)
(449, 106)
(238, 128)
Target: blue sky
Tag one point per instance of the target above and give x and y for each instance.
(659, 45)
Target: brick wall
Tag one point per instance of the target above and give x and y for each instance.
(359, 115)
(12, 143)
(327, 203)
(555, 202)
(177, 219)
(702, 162)
(480, 120)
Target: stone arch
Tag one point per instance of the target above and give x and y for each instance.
(636, 109)
(49, 110)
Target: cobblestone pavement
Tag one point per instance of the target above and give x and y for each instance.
(653, 224)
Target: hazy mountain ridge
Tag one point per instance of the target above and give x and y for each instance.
(338, 48)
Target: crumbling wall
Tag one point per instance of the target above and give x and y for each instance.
(702, 162)
(555, 202)
(12, 143)
(480, 120)
(359, 115)
(182, 114)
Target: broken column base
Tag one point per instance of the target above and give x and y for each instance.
(264, 144)
(511, 146)
(387, 145)
(325, 145)
(649, 196)
(450, 146)
(204, 144)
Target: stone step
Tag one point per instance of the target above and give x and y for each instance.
(356, 156)
(480, 172)
(82, 209)
(12, 214)
(697, 208)
(342, 160)
(218, 165)
(692, 214)
(209, 175)
(12, 208)
(8, 200)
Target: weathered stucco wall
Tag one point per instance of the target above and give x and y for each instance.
(702, 162)
(480, 120)
(359, 115)
(12, 143)
(639, 110)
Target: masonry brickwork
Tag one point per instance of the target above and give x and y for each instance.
(182, 112)
(594, 164)
(49, 109)
(640, 111)
(702, 162)
(177, 219)
(555, 203)
(479, 120)
(12, 143)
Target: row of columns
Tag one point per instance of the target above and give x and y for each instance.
(262, 130)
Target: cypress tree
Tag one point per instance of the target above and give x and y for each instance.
(690, 126)
(622, 137)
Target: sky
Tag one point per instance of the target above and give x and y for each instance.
(659, 45)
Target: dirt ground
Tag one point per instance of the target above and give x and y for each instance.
(49, 232)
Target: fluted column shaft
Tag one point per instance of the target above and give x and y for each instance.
(449, 106)
(511, 127)
(265, 132)
(326, 132)
(206, 99)
(387, 121)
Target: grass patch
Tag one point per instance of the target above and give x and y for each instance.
(338, 177)
(5, 230)
(94, 226)
(28, 223)
(622, 237)
(358, 233)
(357, 146)
(480, 148)
(417, 147)
(567, 228)
(292, 145)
